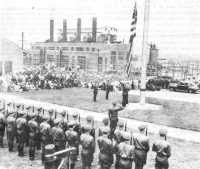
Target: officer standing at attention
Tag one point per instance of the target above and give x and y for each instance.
(95, 92)
(106, 150)
(113, 116)
(72, 139)
(107, 90)
(125, 152)
(64, 122)
(50, 121)
(163, 150)
(141, 143)
(125, 90)
(88, 147)
(10, 132)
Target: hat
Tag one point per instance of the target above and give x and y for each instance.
(121, 124)
(50, 112)
(39, 108)
(142, 127)
(163, 132)
(56, 121)
(28, 107)
(9, 103)
(114, 103)
(75, 115)
(126, 136)
(105, 121)
(63, 113)
(87, 128)
(105, 130)
(18, 105)
(89, 118)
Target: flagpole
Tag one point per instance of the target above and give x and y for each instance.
(144, 51)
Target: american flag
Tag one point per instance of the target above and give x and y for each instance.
(132, 36)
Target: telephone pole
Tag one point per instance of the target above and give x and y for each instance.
(144, 49)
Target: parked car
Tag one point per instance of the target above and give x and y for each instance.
(184, 86)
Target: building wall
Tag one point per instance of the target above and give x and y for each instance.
(11, 57)
(91, 57)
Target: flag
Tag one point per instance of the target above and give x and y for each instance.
(132, 36)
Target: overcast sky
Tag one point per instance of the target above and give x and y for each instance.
(174, 24)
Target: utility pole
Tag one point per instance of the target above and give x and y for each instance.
(144, 48)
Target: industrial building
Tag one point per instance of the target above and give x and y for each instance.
(89, 49)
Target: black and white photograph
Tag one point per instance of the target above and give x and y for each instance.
(99, 84)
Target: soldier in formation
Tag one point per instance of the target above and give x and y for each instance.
(65, 133)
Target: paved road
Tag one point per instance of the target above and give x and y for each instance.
(187, 135)
(170, 95)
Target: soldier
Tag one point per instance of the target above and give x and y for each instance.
(72, 139)
(163, 150)
(95, 92)
(2, 128)
(105, 122)
(76, 122)
(33, 128)
(59, 139)
(10, 132)
(107, 90)
(106, 150)
(50, 121)
(125, 90)
(9, 110)
(64, 122)
(21, 126)
(118, 137)
(88, 147)
(38, 119)
(90, 123)
(125, 152)
(141, 143)
(28, 117)
(113, 116)
(45, 131)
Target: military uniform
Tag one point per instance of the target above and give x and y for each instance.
(38, 119)
(118, 137)
(163, 151)
(10, 132)
(64, 122)
(113, 116)
(33, 127)
(90, 123)
(124, 95)
(50, 121)
(107, 90)
(95, 92)
(105, 122)
(45, 131)
(21, 129)
(28, 117)
(2, 128)
(125, 152)
(72, 139)
(106, 150)
(141, 143)
(88, 147)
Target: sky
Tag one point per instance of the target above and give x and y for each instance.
(174, 26)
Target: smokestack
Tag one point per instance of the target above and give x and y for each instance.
(78, 38)
(64, 30)
(51, 30)
(94, 29)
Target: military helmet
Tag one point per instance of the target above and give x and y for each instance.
(121, 124)
(18, 105)
(105, 121)
(56, 121)
(87, 128)
(71, 124)
(75, 115)
(39, 108)
(28, 107)
(105, 130)
(50, 112)
(142, 127)
(9, 103)
(126, 136)
(89, 118)
(63, 113)
(163, 132)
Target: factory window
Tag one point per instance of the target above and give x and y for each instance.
(72, 48)
(88, 49)
(93, 49)
(82, 62)
(65, 48)
(79, 49)
(51, 48)
(8, 66)
(64, 60)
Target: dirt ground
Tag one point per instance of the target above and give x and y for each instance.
(179, 114)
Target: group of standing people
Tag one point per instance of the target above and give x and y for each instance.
(116, 144)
